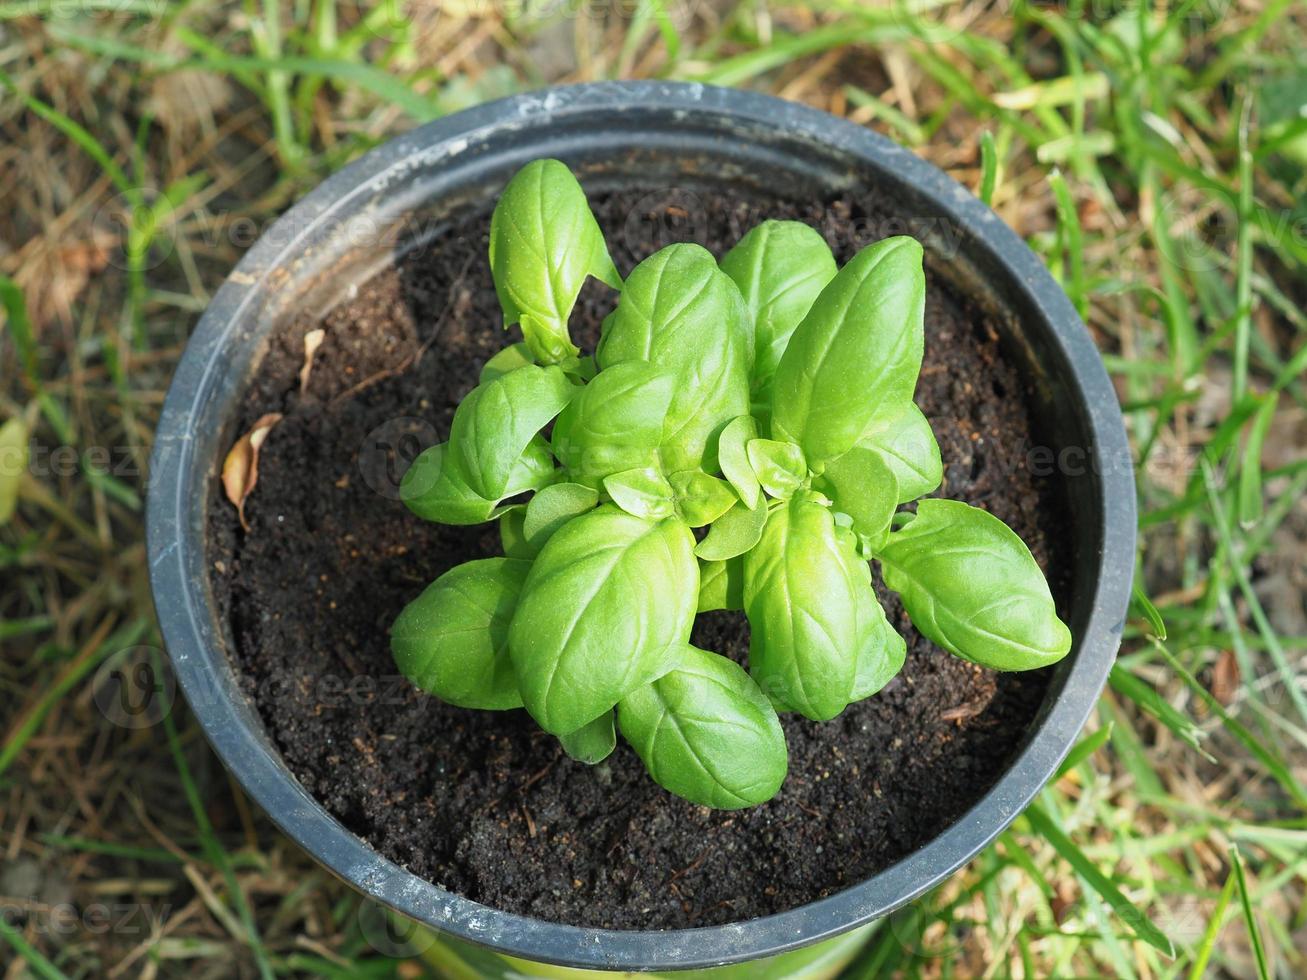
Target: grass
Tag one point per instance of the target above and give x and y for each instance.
(1155, 155)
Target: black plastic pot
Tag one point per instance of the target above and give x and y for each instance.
(614, 135)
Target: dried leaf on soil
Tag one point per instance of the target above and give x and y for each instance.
(312, 341)
(240, 470)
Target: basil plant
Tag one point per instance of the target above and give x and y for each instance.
(742, 438)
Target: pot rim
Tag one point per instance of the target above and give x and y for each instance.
(183, 604)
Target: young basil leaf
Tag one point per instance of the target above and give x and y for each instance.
(494, 423)
(616, 422)
(544, 241)
(779, 466)
(721, 584)
(592, 743)
(535, 470)
(642, 493)
(780, 267)
(854, 359)
(506, 361)
(512, 536)
(553, 507)
(908, 447)
(609, 599)
(435, 488)
(734, 533)
(706, 733)
(583, 368)
(861, 485)
(700, 498)
(800, 595)
(733, 457)
(452, 640)
(881, 651)
(679, 311)
(970, 584)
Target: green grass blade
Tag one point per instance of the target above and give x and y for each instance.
(75, 132)
(1149, 610)
(1083, 749)
(1244, 261)
(988, 168)
(1068, 222)
(39, 965)
(214, 851)
(1254, 934)
(77, 670)
(1133, 917)
(1237, 565)
(386, 87)
(1128, 685)
(1274, 765)
(1250, 469)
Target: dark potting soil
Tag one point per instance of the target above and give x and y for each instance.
(484, 803)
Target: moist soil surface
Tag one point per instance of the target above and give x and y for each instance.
(484, 803)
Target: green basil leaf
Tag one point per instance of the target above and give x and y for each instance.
(700, 498)
(592, 743)
(609, 600)
(706, 733)
(616, 422)
(642, 493)
(734, 533)
(721, 584)
(682, 313)
(779, 466)
(452, 640)
(544, 241)
(553, 507)
(908, 447)
(861, 484)
(881, 650)
(800, 594)
(435, 488)
(494, 423)
(780, 267)
(970, 584)
(854, 359)
(733, 457)
(512, 536)
(506, 361)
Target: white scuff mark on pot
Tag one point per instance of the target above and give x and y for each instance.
(162, 556)
(421, 160)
